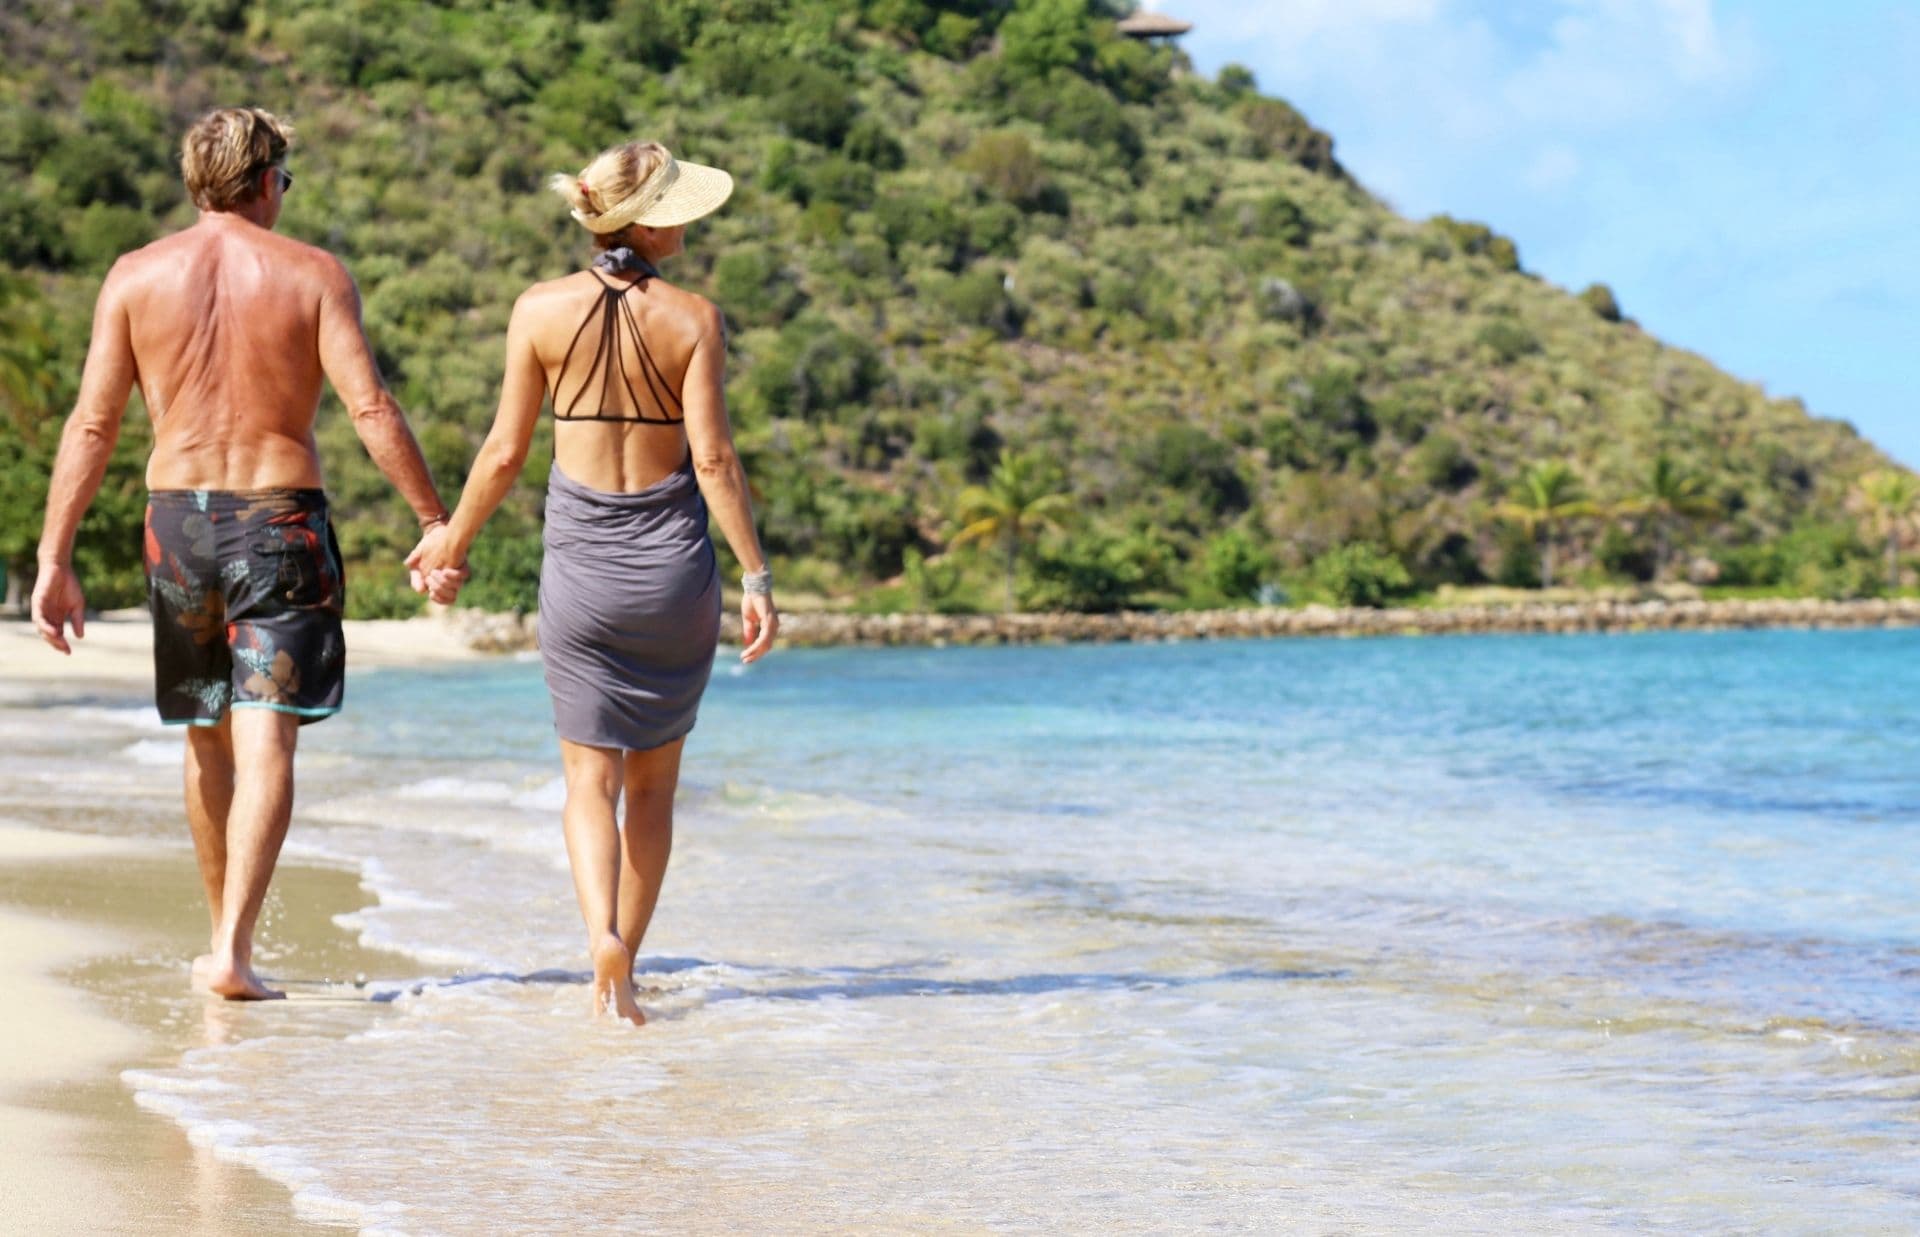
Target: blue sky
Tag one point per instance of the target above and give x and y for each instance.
(1745, 175)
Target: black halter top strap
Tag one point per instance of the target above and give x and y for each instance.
(619, 332)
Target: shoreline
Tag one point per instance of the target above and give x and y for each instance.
(116, 652)
(100, 911)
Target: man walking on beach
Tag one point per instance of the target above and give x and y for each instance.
(229, 330)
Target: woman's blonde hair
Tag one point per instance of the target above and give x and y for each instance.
(613, 177)
(222, 156)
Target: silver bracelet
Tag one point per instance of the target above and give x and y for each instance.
(757, 583)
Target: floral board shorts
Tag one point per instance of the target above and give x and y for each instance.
(247, 593)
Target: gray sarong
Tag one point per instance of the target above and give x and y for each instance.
(629, 610)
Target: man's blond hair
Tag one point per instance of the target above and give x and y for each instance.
(222, 156)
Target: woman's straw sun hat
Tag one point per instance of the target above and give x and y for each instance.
(677, 192)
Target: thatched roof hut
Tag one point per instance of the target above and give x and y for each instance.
(1146, 24)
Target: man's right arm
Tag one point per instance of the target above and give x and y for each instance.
(86, 444)
(348, 361)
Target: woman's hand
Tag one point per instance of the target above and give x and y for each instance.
(759, 622)
(432, 567)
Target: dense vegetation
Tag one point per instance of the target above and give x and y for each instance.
(981, 252)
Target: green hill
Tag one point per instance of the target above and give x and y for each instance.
(962, 231)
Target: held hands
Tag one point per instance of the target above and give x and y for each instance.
(57, 600)
(758, 624)
(432, 569)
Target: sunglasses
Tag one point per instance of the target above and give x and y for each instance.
(286, 179)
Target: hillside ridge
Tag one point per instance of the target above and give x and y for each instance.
(964, 233)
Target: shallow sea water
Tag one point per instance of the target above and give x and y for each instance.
(1466, 935)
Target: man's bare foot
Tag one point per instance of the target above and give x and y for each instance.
(613, 981)
(234, 981)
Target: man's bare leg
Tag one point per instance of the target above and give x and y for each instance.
(209, 785)
(263, 743)
(647, 840)
(593, 847)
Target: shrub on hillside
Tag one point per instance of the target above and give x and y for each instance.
(1042, 36)
(1332, 403)
(813, 368)
(1599, 298)
(979, 298)
(1621, 553)
(1188, 459)
(101, 233)
(30, 231)
(1235, 80)
(1233, 567)
(1507, 340)
(1360, 574)
(809, 102)
(1007, 165)
(1096, 573)
(1442, 463)
(839, 180)
(872, 143)
(1275, 130)
(1519, 562)
(868, 530)
(1477, 240)
(1274, 217)
(755, 287)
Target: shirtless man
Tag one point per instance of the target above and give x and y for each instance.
(229, 329)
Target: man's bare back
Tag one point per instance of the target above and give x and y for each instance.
(232, 328)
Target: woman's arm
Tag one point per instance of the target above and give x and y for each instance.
(723, 482)
(499, 462)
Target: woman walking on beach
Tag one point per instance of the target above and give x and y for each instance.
(629, 589)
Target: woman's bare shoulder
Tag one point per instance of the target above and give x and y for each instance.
(696, 312)
(567, 287)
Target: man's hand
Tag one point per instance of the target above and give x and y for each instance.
(431, 569)
(758, 623)
(57, 601)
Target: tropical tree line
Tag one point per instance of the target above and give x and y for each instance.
(1024, 502)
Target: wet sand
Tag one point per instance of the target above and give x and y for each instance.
(100, 913)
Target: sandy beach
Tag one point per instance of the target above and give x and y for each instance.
(100, 911)
(118, 649)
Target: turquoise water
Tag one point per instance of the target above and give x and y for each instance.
(1472, 934)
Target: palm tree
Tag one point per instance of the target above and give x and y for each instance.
(1548, 494)
(1672, 494)
(1889, 499)
(1016, 503)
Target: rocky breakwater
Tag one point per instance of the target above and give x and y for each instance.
(505, 633)
(822, 629)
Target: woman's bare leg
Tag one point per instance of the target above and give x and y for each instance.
(647, 840)
(593, 848)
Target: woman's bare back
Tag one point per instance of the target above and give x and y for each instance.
(614, 350)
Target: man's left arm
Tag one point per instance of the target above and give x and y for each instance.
(86, 444)
(347, 359)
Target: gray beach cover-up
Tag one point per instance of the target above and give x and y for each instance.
(629, 610)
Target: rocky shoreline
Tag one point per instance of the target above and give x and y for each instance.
(508, 633)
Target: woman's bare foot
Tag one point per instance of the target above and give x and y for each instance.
(613, 980)
(230, 979)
